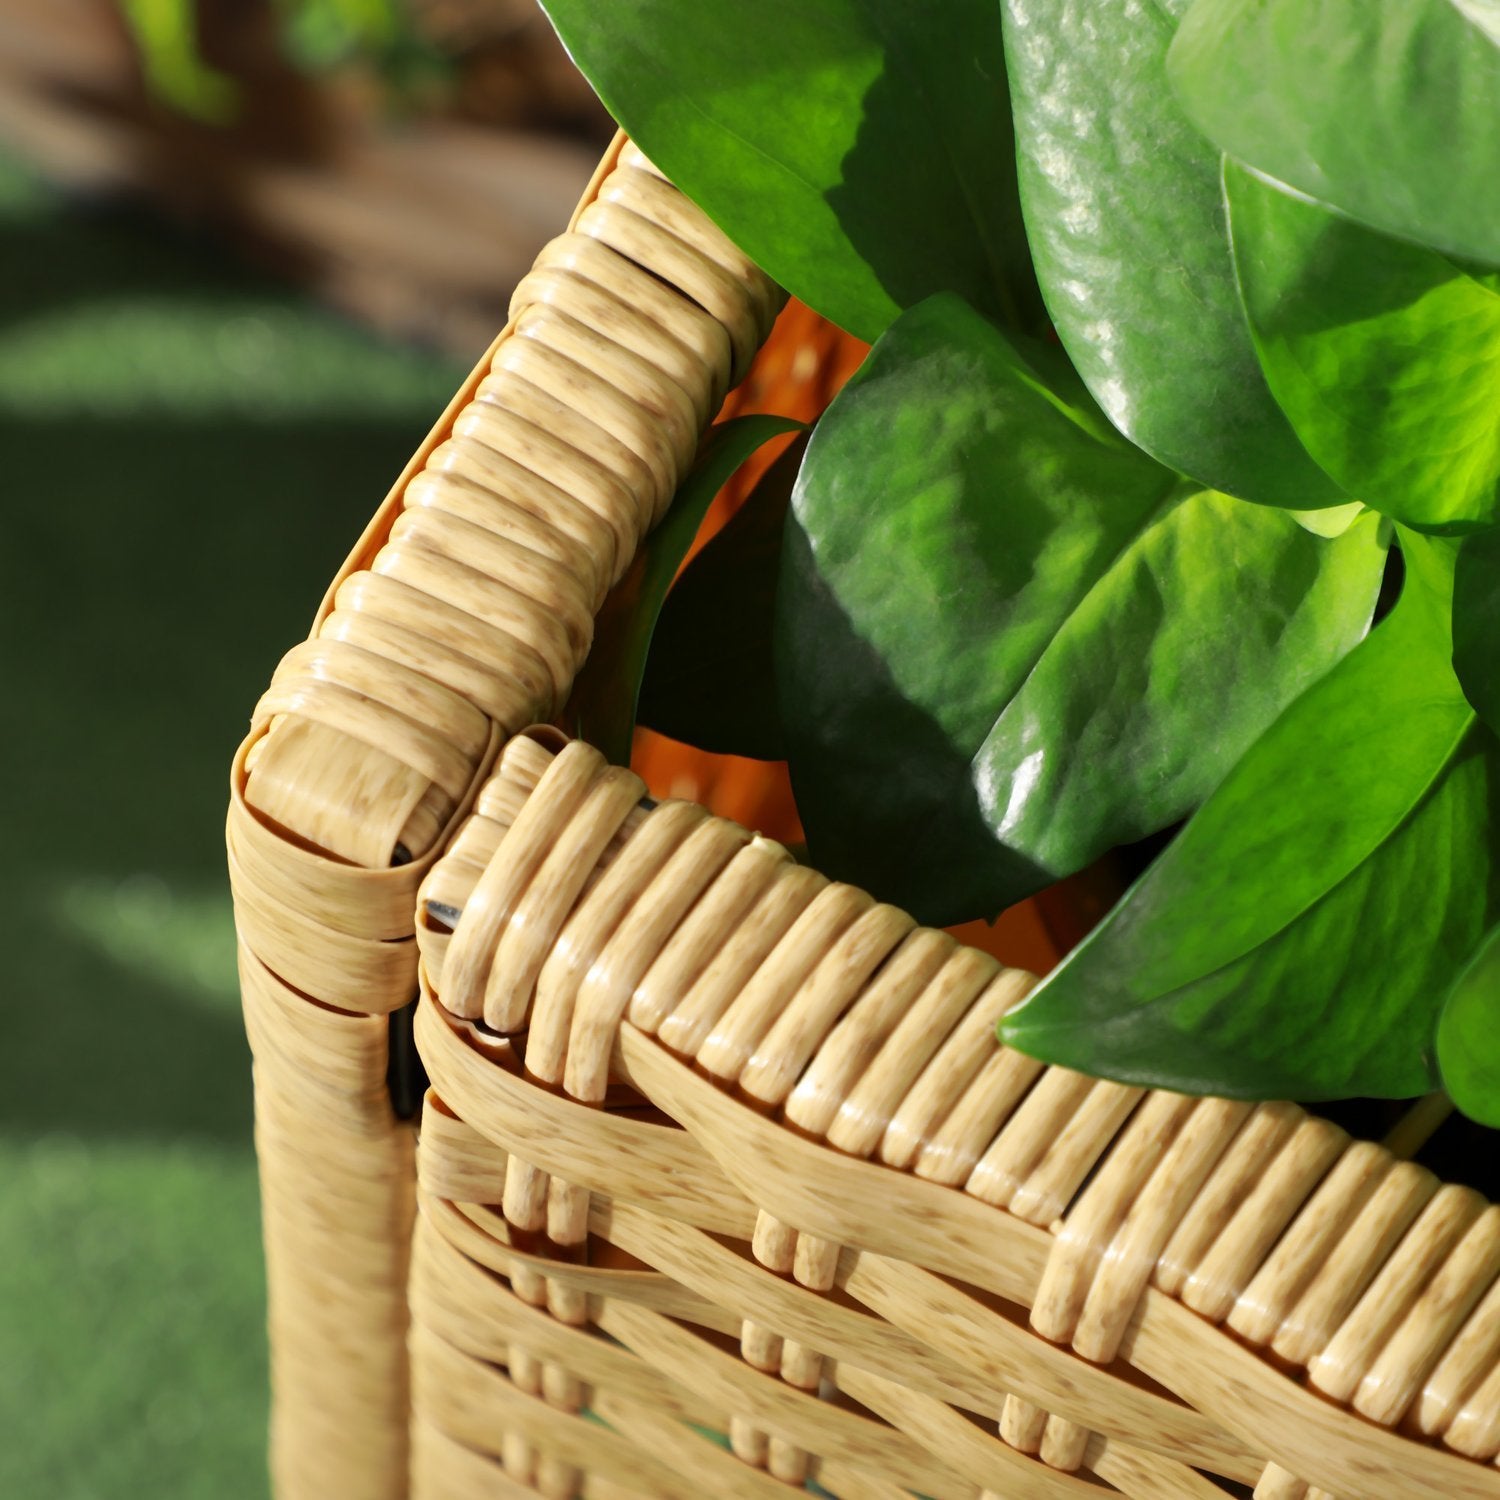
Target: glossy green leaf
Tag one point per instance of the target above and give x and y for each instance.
(1476, 624)
(1125, 211)
(710, 678)
(1384, 355)
(1298, 935)
(1027, 642)
(602, 709)
(1389, 112)
(1468, 1036)
(859, 150)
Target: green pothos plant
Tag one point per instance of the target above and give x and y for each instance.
(1167, 498)
(315, 34)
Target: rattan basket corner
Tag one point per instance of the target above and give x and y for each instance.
(722, 1183)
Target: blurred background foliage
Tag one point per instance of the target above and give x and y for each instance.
(226, 318)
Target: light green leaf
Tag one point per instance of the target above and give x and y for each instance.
(1125, 213)
(1334, 521)
(602, 709)
(1389, 112)
(859, 150)
(166, 32)
(1468, 1036)
(1027, 642)
(1297, 937)
(1385, 356)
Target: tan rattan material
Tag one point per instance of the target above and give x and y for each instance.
(878, 1292)
(463, 614)
(712, 1142)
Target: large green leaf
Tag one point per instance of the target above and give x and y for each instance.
(1389, 111)
(602, 707)
(1385, 355)
(1007, 639)
(1125, 212)
(859, 150)
(710, 676)
(1298, 935)
(1476, 624)
(1211, 619)
(1468, 1036)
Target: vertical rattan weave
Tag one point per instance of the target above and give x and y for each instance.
(712, 1144)
(462, 615)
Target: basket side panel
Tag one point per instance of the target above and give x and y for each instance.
(1050, 1255)
(462, 615)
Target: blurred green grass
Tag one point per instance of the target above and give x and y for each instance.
(189, 450)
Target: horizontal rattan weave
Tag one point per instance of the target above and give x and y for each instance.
(937, 1256)
(714, 1145)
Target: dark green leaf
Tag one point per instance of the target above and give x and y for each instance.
(1385, 356)
(1476, 624)
(1389, 111)
(1008, 640)
(1468, 1037)
(1125, 212)
(602, 708)
(1298, 935)
(859, 150)
(710, 677)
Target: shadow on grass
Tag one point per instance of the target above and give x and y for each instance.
(153, 573)
(189, 452)
(94, 1049)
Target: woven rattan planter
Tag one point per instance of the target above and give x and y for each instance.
(714, 1146)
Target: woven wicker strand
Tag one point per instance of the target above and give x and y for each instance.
(463, 614)
(859, 1186)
